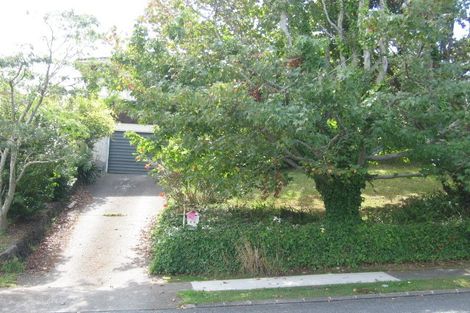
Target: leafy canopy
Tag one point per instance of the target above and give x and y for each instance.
(241, 89)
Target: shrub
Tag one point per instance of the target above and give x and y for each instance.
(87, 171)
(428, 208)
(36, 188)
(78, 122)
(274, 247)
(13, 266)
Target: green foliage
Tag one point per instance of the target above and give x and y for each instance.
(184, 174)
(238, 96)
(87, 172)
(78, 122)
(238, 241)
(9, 272)
(39, 186)
(451, 162)
(12, 267)
(80, 119)
(33, 136)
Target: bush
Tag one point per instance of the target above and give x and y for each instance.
(33, 191)
(77, 123)
(87, 171)
(429, 208)
(279, 247)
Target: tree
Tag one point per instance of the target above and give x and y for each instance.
(25, 83)
(244, 88)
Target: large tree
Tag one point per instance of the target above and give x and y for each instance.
(240, 89)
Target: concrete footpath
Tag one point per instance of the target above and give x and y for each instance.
(324, 279)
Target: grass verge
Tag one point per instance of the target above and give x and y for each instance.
(8, 280)
(204, 297)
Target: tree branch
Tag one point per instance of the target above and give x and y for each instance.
(297, 157)
(327, 15)
(309, 147)
(361, 160)
(386, 157)
(12, 100)
(17, 74)
(384, 66)
(292, 163)
(284, 25)
(11, 181)
(333, 141)
(3, 160)
(41, 89)
(397, 175)
(383, 51)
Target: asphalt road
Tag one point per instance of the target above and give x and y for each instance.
(453, 303)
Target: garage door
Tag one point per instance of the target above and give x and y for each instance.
(121, 158)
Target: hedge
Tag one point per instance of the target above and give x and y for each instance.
(278, 248)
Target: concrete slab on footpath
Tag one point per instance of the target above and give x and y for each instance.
(292, 281)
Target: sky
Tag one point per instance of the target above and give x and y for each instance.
(21, 20)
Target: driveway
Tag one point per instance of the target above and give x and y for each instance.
(101, 267)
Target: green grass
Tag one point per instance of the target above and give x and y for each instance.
(8, 280)
(9, 273)
(302, 195)
(201, 297)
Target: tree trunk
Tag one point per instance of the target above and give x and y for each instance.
(3, 222)
(11, 189)
(341, 195)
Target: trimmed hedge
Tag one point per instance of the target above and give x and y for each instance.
(279, 247)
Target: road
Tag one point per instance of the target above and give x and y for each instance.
(454, 303)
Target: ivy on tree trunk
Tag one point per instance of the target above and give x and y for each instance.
(341, 194)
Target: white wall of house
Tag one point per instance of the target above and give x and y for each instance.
(100, 153)
(101, 147)
(134, 127)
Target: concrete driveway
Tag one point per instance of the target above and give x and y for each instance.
(101, 267)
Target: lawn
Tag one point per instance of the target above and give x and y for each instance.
(202, 297)
(301, 193)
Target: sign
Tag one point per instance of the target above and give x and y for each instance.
(192, 218)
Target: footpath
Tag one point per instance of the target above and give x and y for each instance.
(343, 287)
(325, 279)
